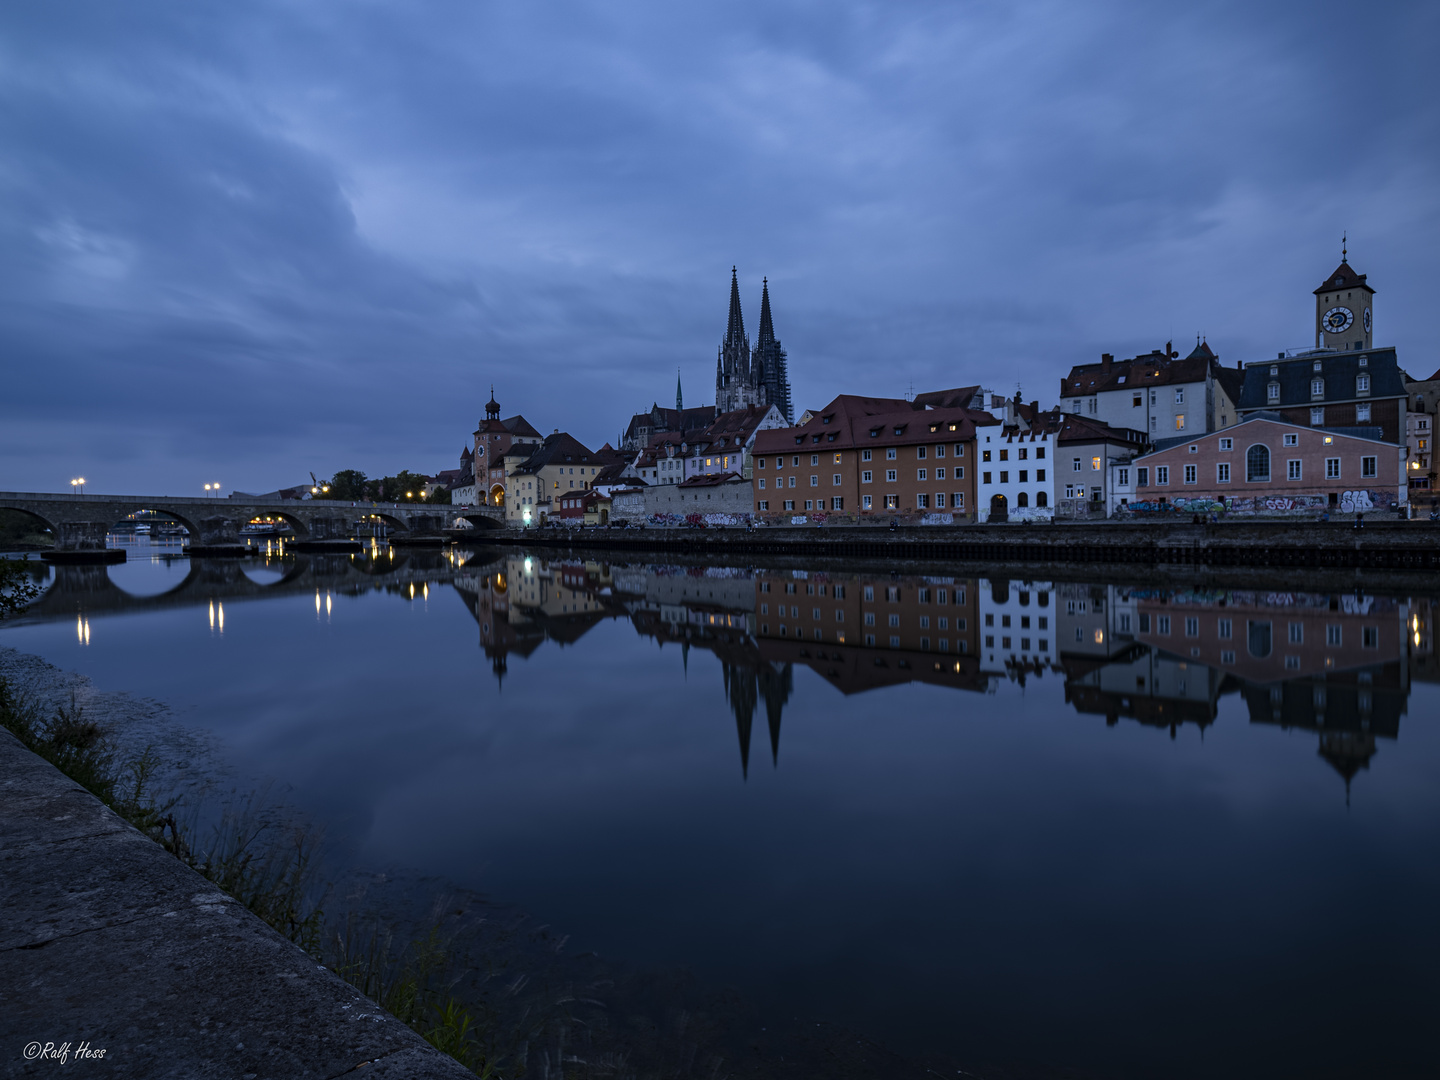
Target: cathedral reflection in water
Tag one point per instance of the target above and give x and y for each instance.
(1338, 665)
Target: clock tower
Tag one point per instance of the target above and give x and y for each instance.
(1343, 316)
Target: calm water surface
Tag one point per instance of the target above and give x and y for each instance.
(1129, 830)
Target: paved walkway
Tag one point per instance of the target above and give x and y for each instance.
(109, 943)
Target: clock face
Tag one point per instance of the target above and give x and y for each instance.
(1367, 320)
(1337, 320)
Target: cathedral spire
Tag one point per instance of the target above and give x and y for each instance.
(735, 328)
(679, 399)
(767, 328)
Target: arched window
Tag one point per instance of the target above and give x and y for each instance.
(1022, 499)
(1257, 463)
(1040, 499)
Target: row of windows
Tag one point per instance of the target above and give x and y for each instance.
(943, 645)
(867, 476)
(1317, 388)
(1225, 630)
(1023, 476)
(923, 501)
(892, 593)
(1044, 644)
(891, 454)
(1022, 455)
(942, 622)
(1042, 621)
(1257, 470)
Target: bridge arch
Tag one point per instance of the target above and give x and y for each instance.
(48, 525)
(297, 524)
(481, 521)
(160, 510)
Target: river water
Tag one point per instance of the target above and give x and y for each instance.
(1120, 829)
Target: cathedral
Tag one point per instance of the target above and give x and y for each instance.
(745, 377)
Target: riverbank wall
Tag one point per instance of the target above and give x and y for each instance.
(116, 957)
(1399, 545)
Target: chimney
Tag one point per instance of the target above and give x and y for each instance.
(1106, 359)
(1240, 365)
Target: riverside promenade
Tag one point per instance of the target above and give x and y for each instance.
(121, 958)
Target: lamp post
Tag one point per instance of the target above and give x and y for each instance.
(78, 482)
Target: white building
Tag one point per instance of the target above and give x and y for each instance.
(1014, 474)
(1018, 628)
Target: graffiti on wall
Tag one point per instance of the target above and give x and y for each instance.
(1354, 502)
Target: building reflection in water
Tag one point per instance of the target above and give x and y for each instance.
(1338, 665)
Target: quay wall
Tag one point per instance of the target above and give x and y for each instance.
(1399, 545)
(111, 945)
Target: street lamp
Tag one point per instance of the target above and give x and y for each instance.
(78, 482)
(213, 488)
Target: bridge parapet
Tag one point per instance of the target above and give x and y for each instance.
(81, 522)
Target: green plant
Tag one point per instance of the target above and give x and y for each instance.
(17, 587)
(413, 984)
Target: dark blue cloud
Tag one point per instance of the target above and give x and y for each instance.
(247, 241)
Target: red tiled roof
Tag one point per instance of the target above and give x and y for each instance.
(1152, 369)
(849, 420)
(710, 480)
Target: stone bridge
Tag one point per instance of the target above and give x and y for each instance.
(80, 522)
(88, 589)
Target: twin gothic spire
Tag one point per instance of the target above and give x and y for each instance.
(744, 377)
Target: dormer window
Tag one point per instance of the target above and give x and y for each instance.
(1364, 361)
(900, 429)
(1362, 384)
(874, 433)
(1317, 387)
(1272, 392)
(1315, 366)
(826, 419)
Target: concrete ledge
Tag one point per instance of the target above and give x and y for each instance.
(109, 940)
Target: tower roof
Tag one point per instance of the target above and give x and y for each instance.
(735, 327)
(767, 328)
(1343, 278)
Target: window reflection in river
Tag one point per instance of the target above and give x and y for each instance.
(1338, 664)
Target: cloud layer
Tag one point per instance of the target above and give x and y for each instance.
(241, 242)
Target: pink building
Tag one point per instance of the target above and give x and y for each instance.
(1266, 465)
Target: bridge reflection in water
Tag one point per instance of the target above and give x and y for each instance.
(1336, 665)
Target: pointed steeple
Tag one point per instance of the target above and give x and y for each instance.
(767, 328)
(679, 398)
(735, 328)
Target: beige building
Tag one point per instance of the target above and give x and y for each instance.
(559, 467)
(1420, 419)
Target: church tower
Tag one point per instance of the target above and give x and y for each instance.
(733, 386)
(1343, 318)
(768, 361)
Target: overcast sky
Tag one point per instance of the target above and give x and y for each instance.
(240, 242)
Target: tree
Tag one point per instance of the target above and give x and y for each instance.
(17, 588)
(347, 484)
(440, 497)
(403, 487)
